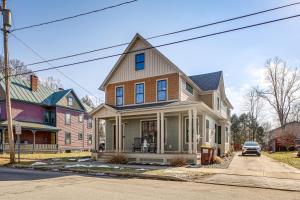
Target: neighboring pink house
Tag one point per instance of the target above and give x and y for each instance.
(50, 120)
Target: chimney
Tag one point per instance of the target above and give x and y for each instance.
(34, 82)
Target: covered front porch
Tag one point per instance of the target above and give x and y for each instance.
(34, 137)
(160, 133)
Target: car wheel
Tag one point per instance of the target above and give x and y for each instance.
(258, 155)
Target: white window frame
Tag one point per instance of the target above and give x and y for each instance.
(70, 101)
(123, 99)
(167, 89)
(66, 114)
(135, 92)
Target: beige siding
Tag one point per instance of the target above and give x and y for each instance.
(184, 94)
(64, 102)
(155, 65)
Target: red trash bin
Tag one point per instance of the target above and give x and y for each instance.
(207, 155)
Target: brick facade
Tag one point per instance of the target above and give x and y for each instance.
(150, 89)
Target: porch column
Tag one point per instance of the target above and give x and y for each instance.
(120, 134)
(195, 134)
(179, 133)
(94, 126)
(190, 132)
(203, 129)
(158, 133)
(162, 133)
(117, 134)
(33, 132)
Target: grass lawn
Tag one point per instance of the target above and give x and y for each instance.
(286, 157)
(4, 158)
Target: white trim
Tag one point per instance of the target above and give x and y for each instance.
(144, 83)
(123, 101)
(167, 89)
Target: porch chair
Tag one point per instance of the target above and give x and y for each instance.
(152, 147)
(137, 144)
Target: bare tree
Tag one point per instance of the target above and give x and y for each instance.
(295, 113)
(283, 88)
(51, 82)
(253, 106)
(18, 67)
(88, 101)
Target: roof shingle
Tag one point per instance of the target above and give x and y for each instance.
(208, 81)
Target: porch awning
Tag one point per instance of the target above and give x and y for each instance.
(31, 125)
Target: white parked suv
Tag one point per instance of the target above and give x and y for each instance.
(251, 147)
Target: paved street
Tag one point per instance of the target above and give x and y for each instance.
(36, 185)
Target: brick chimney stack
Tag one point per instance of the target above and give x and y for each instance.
(34, 82)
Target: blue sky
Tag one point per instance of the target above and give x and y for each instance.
(241, 55)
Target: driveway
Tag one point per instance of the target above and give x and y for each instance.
(261, 166)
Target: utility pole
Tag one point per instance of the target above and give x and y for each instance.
(6, 24)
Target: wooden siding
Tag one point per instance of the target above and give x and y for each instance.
(207, 99)
(186, 95)
(155, 65)
(74, 128)
(150, 89)
(64, 102)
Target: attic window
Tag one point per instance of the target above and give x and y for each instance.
(139, 61)
(70, 101)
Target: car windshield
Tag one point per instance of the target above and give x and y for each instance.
(253, 144)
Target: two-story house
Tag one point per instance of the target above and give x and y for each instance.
(51, 120)
(154, 112)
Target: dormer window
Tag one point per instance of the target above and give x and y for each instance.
(189, 88)
(70, 101)
(139, 61)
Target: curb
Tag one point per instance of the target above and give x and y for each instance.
(111, 174)
(146, 176)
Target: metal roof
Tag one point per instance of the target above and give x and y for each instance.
(21, 90)
(31, 125)
(209, 81)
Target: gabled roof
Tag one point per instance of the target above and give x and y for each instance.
(150, 46)
(209, 81)
(21, 90)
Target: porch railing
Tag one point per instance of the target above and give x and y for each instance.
(36, 147)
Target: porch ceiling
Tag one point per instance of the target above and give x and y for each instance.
(31, 125)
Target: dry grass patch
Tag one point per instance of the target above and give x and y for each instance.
(45, 156)
(118, 159)
(289, 158)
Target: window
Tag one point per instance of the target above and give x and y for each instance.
(218, 103)
(49, 117)
(70, 101)
(80, 118)
(149, 131)
(119, 95)
(226, 135)
(67, 138)
(90, 139)
(67, 118)
(187, 130)
(189, 88)
(162, 90)
(80, 136)
(139, 61)
(207, 130)
(90, 123)
(139, 93)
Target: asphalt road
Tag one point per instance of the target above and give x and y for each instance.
(36, 185)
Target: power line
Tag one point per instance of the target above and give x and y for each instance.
(66, 76)
(162, 45)
(74, 16)
(165, 34)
